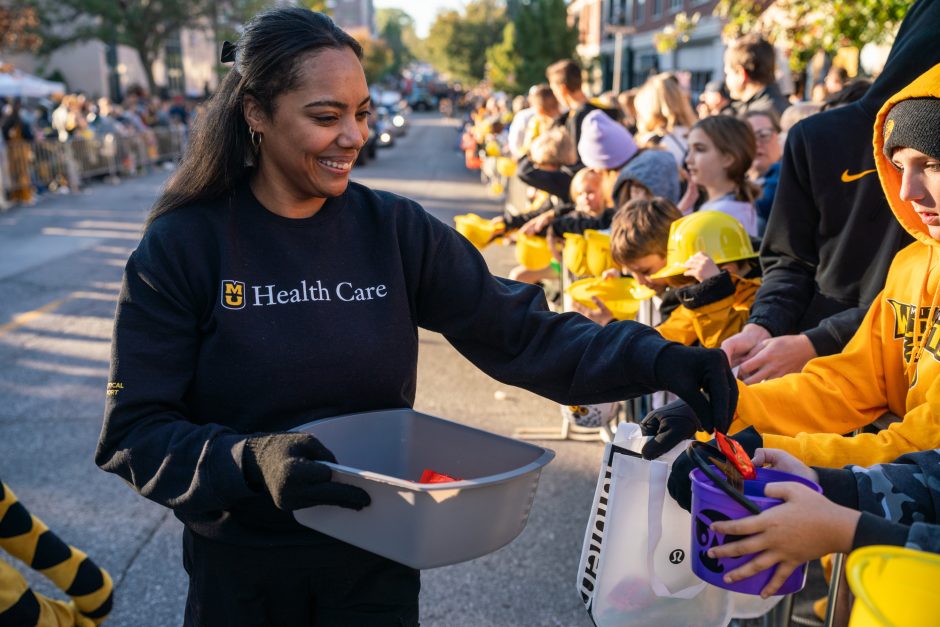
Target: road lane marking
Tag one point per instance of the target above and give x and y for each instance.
(23, 319)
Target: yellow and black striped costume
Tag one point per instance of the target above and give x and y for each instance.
(26, 538)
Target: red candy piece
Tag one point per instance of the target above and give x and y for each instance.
(430, 476)
(736, 455)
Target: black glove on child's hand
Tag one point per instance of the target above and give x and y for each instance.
(286, 466)
(680, 485)
(669, 425)
(702, 378)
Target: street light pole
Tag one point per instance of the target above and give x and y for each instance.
(618, 32)
(618, 60)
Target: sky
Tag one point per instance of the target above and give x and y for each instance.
(423, 11)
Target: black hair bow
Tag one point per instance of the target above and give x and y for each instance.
(228, 52)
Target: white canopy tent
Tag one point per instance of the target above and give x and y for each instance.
(9, 86)
(20, 84)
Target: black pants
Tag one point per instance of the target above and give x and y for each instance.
(333, 585)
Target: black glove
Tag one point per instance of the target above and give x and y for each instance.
(680, 485)
(670, 424)
(702, 378)
(285, 465)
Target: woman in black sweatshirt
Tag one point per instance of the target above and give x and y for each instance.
(269, 291)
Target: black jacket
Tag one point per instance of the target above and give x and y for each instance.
(770, 98)
(579, 222)
(555, 182)
(831, 235)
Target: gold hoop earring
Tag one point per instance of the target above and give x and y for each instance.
(255, 139)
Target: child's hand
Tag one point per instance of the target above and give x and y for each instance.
(776, 357)
(700, 267)
(538, 224)
(745, 344)
(610, 273)
(805, 526)
(688, 200)
(602, 315)
(783, 461)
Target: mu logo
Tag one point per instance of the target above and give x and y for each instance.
(927, 330)
(233, 294)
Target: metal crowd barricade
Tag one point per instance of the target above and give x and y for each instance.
(53, 165)
(91, 155)
(50, 165)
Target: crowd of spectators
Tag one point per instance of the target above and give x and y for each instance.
(33, 159)
(760, 232)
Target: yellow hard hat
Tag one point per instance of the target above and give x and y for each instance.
(575, 254)
(492, 149)
(598, 252)
(893, 586)
(479, 231)
(532, 251)
(505, 166)
(622, 296)
(714, 233)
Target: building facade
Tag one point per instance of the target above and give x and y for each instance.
(351, 15)
(187, 66)
(638, 21)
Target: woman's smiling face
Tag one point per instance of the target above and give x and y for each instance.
(310, 142)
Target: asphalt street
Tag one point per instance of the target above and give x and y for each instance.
(60, 269)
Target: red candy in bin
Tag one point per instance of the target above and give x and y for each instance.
(736, 455)
(430, 476)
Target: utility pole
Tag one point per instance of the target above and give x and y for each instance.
(618, 27)
(618, 32)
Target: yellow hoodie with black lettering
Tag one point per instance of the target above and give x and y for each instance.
(892, 364)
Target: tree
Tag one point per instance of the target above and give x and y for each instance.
(317, 5)
(457, 43)
(543, 36)
(231, 15)
(376, 59)
(393, 26)
(144, 25)
(18, 28)
(679, 32)
(806, 26)
(502, 62)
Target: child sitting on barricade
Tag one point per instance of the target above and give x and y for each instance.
(547, 169)
(553, 151)
(547, 166)
(591, 195)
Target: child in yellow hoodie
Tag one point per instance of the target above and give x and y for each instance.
(892, 364)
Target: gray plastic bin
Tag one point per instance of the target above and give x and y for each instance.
(426, 525)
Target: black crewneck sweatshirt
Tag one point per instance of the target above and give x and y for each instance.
(233, 320)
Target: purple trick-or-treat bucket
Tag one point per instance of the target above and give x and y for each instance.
(711, 504)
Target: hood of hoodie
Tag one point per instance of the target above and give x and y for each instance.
(925, 86)
(914, 51)
(654, 169)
